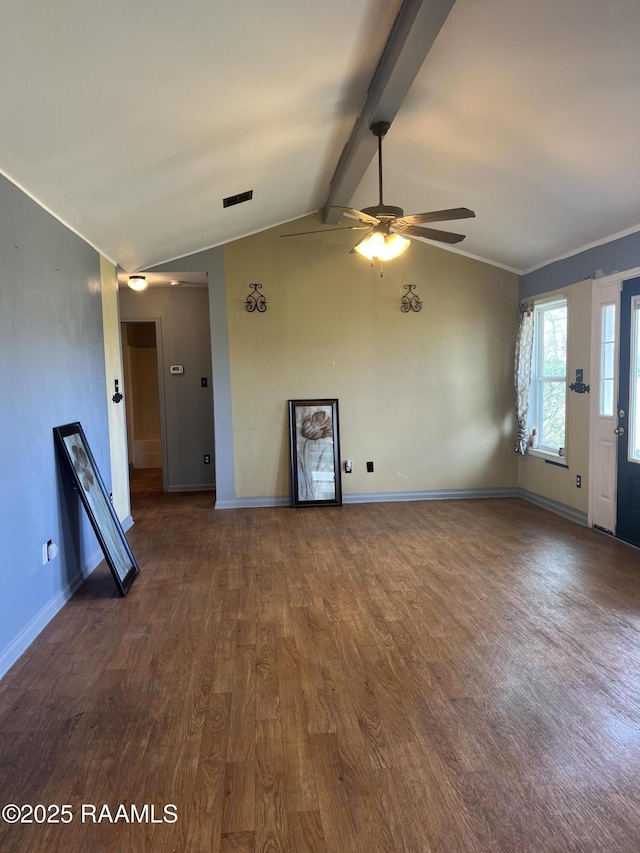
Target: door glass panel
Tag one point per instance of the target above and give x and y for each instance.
(607, 357)
(606, 397)
(634, 383)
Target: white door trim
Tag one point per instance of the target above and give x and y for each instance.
(603, 460)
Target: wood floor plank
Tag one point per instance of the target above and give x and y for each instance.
(242, 736)
(239, 812)
(306, 833)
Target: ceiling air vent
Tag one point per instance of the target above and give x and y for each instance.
(237, 199)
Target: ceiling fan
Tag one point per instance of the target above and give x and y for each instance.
(387, 227)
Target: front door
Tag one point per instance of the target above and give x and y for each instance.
(628, 415)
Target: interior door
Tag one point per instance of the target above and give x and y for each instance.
(628, 415)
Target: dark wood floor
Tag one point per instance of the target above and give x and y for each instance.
(433, 676)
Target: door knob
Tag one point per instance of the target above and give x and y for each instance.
(619, 431)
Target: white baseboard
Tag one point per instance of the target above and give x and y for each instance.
(147, 453)
(377, 497)
(558, 508)
(21, 642)
(196, 487)
(258, 501)
(569, 512)
(430, 495)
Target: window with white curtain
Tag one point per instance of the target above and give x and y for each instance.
(548, 392)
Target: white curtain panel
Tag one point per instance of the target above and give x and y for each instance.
(522, 377)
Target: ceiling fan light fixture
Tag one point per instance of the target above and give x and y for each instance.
(137, 282)
(382, 247)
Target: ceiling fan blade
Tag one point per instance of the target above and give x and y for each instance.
(326, 230)
(362, 239)
(364, 217)
(436, 216)
(429, 234)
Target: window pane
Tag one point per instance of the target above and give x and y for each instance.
(608, 352)
(555, 341)
(608, 323)
(606, 379)
(606, 398)
(549, 375)
(607, 359)
(553, 415)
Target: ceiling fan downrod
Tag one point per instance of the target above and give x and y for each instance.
(379, 129)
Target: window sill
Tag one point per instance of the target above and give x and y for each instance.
(548, 456)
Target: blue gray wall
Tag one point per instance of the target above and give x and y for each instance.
(615, 256)
(211, 261)
(52, 357)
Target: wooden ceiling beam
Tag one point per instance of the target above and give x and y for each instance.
(413, 33)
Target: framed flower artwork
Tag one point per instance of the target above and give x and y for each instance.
(75, 450)
(315, 453)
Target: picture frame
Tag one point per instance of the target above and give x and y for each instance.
(74, 449)
(314, 433)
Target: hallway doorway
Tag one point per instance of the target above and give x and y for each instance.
(143, 410)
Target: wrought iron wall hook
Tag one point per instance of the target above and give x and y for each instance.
(410, 301)
(579, 385)
(255, 300)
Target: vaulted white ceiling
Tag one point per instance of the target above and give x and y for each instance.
(131, 121)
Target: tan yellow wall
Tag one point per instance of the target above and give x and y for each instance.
(427, 396)
(534, 474)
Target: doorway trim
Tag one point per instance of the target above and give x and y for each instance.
(599, 284)
(161, 396)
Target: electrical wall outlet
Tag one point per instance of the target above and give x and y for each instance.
(49, 552)
(207, 459)
(578, 481)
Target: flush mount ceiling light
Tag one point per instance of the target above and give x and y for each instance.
(137, 282)
(175, 283)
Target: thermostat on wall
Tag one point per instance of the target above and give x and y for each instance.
(176, 368)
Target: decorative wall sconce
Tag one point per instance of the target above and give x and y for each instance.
(255, 300)
(410, 301)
